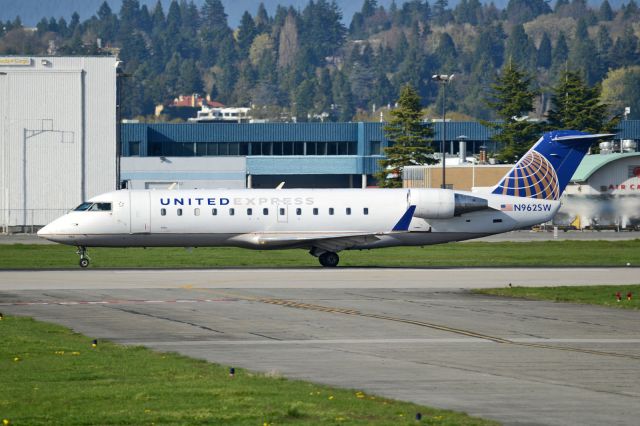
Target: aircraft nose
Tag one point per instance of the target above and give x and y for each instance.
(45, 231)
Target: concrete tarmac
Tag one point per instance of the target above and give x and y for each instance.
(415, 334)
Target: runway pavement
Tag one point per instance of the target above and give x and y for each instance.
(414, 334)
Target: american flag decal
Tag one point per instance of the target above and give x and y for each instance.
(506, 207)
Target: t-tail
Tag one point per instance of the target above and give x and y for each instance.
(545, 170)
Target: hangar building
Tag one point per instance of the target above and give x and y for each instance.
(57, 135)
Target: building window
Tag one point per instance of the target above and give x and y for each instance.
(214, 212)
(134, 148)
(232, 211)
(249, 212)
(376, 148)
(331, 211)
(163, 212)
(365, 211)
(315, 211)
(265, 211)
(196, 212)
(179, 212)
(282, 211)
(348, 211)
(298, 211)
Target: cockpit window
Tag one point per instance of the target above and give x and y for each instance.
(82, 207)
(101, 207)
(93, 207)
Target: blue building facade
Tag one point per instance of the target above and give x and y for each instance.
(303, 154)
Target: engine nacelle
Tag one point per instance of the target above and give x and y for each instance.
(444, 203)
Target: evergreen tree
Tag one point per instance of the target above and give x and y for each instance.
(544, 52)
(512, 100)
(625, 49)
(446, 54)
(302, 101)
(521, 11)
(343, 107)
(410, 139)
(604, 46)
(107, 23)
(582, 51)
(246, 33)
(605, 13)
(577, 106)
(560, 54)
(520, 48)
(262, 21)
(441, 14)
(322, 31)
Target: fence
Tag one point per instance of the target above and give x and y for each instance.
(27, 220)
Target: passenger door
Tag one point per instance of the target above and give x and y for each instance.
(283, 214)
(140, 210)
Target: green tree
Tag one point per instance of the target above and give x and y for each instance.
(520, 48)
(577, 106)
(246, 33)
(583, 50)
(512, 99)
(621, 89)
(605, 13)
(410, 139)
(544, 52)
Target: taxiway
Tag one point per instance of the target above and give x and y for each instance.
(415, 334)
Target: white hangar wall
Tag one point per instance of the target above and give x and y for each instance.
(57, 135)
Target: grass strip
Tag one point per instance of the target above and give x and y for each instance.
(605, 295)
(51, 375)
(504, 254)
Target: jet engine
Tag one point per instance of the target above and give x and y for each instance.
(444, 203)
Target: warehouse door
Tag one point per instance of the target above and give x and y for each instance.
(140, 204)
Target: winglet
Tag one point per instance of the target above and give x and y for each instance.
(405, 220)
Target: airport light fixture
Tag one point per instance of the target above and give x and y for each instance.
(443, 80)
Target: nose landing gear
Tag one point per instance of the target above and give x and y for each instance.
(84, 258)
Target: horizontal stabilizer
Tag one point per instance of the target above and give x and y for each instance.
(582, 137)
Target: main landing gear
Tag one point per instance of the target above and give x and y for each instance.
(84, 258)
(329, 259)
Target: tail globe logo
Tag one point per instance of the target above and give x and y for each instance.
(532, 177)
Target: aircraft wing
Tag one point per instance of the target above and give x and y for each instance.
(331, 241)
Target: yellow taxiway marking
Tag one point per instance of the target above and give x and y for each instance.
(440, 327)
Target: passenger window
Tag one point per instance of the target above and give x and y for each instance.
(348, 210)
(315, 211)
(265, 212)
(232, 211)
(214, 212)
(331, 211)
(366, 211)
(282, 213)
(249, 212)
(196, 212)
(179, 212)
(298, 211)
(163, 212)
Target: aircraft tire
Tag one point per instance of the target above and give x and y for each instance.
(84, 263)
(329, 259)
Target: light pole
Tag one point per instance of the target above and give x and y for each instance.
(443, 80)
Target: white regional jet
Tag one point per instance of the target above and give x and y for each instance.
(326, 221)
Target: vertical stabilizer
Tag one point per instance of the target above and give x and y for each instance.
(545, 170)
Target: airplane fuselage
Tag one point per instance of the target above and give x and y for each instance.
(265, 219)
